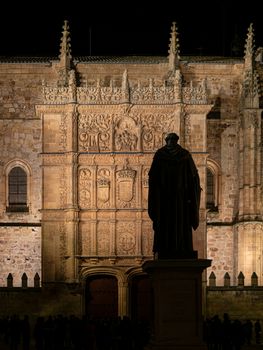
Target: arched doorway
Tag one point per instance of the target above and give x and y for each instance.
(101, 297)
(141, 301)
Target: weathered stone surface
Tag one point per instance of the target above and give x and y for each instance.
(85, 131)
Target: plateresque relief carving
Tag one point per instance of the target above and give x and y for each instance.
(126, 131)
(95, 132)
(126, 238)
(145, 187)
(126, 135)
(103, 188)
(85, 186)
(125, 183)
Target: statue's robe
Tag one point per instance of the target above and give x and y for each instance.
(173, 202)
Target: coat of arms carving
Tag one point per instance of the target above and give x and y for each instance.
(125, 184)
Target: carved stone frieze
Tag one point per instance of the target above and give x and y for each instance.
(195, 94)
(56, 95)
(138, 94)
(107, 159)
(136, 132)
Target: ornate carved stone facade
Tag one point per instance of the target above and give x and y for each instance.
(85, 131)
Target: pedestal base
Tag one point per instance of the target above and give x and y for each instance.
(177, 288)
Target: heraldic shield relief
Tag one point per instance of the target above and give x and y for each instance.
(103, 187)
(125, 186)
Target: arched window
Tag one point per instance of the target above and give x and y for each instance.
(210, 190)
(17, 190)
(212, 185)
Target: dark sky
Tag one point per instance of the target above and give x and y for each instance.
(135, 27)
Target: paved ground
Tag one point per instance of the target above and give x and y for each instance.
(250, 347)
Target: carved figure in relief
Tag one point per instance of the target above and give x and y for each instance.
(173, 200)
(126, 141)
(126, 135)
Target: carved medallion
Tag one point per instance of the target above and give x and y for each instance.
(126, 238)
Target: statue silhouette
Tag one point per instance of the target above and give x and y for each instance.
(173, 200)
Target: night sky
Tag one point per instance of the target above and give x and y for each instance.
(215, 27)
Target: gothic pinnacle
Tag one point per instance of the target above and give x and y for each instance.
(251, 87)
(249, 46)
(65, 47)
(174, 51)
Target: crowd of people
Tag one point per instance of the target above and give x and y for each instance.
(82, 333)
(73, 333)
(227, 334)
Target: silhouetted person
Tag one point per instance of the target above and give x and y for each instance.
(173, 201)
(25, 330)
(39, 333)
(15, 332)
(257, 327)
(248, 329)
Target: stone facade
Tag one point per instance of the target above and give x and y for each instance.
(84, 131)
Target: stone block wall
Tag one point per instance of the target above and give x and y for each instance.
(20, 252)
(220, 249)
(64, 300)
(239, 302)
(20, 144)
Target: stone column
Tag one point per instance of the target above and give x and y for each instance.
(177, 288)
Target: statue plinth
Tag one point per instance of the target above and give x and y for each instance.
(177, 288)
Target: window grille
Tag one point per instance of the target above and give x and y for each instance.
(17, 190)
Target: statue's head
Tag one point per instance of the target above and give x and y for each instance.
(172, 137)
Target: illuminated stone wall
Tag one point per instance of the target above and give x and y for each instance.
(20, 144)
(85, 131)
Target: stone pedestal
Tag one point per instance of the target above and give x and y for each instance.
(177, 288)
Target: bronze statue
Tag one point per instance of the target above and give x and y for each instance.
(173, 201)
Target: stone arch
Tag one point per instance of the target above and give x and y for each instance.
(27, 169)
(140, 295)
(104, 271)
